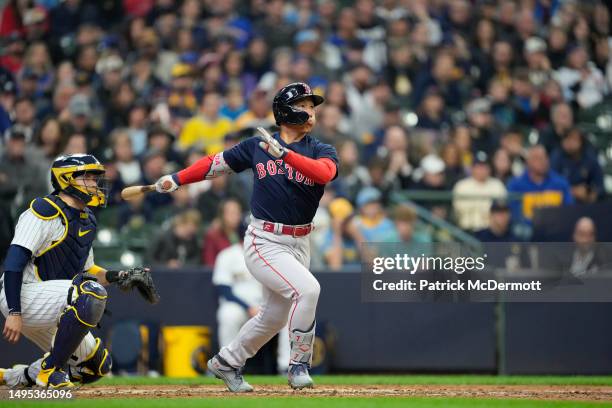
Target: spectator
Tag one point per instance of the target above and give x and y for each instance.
(80, 121)
(562, 120)
(123, 156)
(178, 247)
(258, 114)
(539, 66)
(502, 108)
(499, 228)
(50, 139)
(582, 82)
(154, 165)
(577, 162)
(512, 142)
(372, 221)
(161, 139)
(352, 176)
(539, 185)
(461, 137)
(182, 99)
(76, 144)
(137, 123)
(405, 219)
(208, 128)
(473, 213)
(234, 105)
(329, 122)
(395, 152)
(25, 117)
(453, 168)
(431, 177)
(443, 75)
(223, 231)
(340, 245)
(587, 257)
(484, 134)
(502, 166)
(21, 161)
(431, 113)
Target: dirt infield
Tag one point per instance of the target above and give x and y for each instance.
(540, 392)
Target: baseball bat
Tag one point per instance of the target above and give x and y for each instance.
(132, 192)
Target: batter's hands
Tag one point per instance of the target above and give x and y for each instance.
(166, 184)
(270, 144)
(12, 328)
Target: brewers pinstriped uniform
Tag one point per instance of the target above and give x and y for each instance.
(44, 287)
(290, 170)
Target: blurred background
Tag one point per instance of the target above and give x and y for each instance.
(454, 120)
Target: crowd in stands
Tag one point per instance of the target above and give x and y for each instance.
(479, 103)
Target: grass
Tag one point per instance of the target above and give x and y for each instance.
(232, 401)
(380, 380)
(314, 402)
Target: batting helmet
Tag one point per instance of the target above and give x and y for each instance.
(66, 169)
(281, 106)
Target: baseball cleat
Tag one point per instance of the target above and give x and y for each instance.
(298, 376)
(52, 377)
(232, 377)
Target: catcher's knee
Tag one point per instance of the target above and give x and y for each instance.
(87, 300)
(95, 366)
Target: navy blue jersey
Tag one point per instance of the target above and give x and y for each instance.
(280, 193)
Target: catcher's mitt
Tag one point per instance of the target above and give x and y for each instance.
(139, 278)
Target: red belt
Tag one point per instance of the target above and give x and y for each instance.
(295, 231)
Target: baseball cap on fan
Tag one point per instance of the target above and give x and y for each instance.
(432, 164)
(306, 36)
(79, 105)
(535, 44)
(368, 195)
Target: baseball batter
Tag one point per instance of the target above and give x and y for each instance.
(290, 170)
(46, 296)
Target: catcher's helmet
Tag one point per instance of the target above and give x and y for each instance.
(281, 106)
(66, 169)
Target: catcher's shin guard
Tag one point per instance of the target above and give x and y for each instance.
(87, 301)
(95, 366)
(301, 345)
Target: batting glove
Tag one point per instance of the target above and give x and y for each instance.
(166, 184)
(270, 144)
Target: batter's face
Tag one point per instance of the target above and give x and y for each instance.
(307, 106)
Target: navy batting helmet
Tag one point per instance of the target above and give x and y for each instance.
(281, 106)
(67, 168)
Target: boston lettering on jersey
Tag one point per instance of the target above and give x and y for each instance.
(278, 167)
(280, 193)
(66, 257)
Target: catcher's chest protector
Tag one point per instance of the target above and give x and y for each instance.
(66, 257)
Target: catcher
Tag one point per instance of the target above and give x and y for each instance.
(53, 293)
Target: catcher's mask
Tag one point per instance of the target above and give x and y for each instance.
(65, 172)
(282, 107)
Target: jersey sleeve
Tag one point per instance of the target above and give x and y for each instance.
(222, 270)
(323, 150)
(240, 157)
(33, 232)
